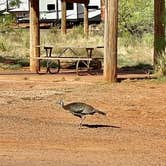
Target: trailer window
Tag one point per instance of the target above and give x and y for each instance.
(50, 6)
(69, 6)
(93, 7)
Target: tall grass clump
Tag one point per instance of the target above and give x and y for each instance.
(133, 50)
(5, 46)
(15, 43)
(77, 32)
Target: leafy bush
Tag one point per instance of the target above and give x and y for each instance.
(135, 17)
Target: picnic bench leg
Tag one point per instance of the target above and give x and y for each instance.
(89, 52)
(55, 69)
(86, 63)
(66, 49)
(96, 65)
(40, 68)
(77, 66)
(48, 51)
(88, 66)
(47, 65)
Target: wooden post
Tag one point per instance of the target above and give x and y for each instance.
(102, 2)
(111, 28)
(63, 18)
(106, 41)
(34, 35)
(159, 29)
(86, 22)
(7, 5)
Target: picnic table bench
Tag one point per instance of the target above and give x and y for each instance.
(53, 61)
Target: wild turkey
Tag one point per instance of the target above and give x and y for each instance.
(80, 110)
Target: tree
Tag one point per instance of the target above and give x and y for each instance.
(135, 17)
(159, 29)
(15, 3)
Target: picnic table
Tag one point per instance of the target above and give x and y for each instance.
(53, 61)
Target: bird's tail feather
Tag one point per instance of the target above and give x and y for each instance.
(100, 112)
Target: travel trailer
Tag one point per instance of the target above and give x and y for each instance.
(50, 11)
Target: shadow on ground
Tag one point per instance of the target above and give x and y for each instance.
(100, 126)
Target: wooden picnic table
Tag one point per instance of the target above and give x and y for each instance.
(89, 50)
(54, 60)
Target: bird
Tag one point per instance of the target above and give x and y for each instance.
(80, 110)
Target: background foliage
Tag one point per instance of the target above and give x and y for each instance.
(135, 35)
(135, 17)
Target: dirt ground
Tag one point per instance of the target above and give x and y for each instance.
(34, 130)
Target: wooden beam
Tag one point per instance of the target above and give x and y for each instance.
(63, 18)
(34, 35)
(111, 28)
(159, 29)
(102, 9)
(86, 22)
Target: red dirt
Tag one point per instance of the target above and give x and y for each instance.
(36, 131)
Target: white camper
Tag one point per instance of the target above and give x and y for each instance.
(50, 11)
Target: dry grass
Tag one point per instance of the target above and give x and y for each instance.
(15, 44)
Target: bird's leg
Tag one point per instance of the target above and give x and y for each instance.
(82, 118)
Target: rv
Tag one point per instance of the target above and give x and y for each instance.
(50, 11)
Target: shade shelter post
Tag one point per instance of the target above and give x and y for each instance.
(63, 19)
(64, 14)
(110, 45)
(34, 35)
(86, 21)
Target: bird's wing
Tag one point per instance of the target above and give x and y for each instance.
(88, 109)
(75, 107)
